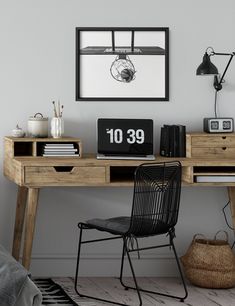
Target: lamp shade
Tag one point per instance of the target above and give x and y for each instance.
(206, 67)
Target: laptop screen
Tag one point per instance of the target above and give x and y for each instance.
(125, 136)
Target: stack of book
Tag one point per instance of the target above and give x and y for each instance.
(173, 141)
(60, 149)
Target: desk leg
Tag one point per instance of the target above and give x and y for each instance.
(19, 221)
(231, 193)
(30, 218)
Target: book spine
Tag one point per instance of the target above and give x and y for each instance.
(175, 140)
(59, 150)
(182, 141)
(61, 155)
(59, 146)
(164, 141)
(171, 141)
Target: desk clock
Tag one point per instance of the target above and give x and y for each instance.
(218, 125)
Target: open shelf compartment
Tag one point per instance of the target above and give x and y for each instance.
(120, 174)
(214, 174)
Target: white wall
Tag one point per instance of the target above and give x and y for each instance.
(37, 65)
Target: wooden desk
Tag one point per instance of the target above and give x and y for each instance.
(33, 172)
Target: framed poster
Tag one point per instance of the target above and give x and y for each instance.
(122, 64)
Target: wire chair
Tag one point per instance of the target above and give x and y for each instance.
(155, 208)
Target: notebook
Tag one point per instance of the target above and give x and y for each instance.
(125, 139)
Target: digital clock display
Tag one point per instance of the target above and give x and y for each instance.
(227, 125)
(214, 125)
(125, 136)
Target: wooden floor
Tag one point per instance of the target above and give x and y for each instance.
(110, 288)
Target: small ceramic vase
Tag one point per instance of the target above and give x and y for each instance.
(57, 127)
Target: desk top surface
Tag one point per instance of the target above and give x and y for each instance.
(90, 159)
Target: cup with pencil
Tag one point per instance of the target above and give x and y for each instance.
(57, 122)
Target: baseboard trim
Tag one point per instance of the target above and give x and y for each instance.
(98, 256)
(103, 265)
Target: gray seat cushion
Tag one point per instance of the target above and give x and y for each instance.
(118, 225)
(141, 227)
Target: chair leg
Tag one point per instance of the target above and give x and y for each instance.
(76, 276)
(133, 273)
(154, 292)
(78, 261)
(122, 265)
(179, 268)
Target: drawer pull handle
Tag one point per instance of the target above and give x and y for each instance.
(63, 168)
(224, 137)
(224, 148)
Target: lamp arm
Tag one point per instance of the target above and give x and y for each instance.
(218, 83)
(226, 68)
(219, 53)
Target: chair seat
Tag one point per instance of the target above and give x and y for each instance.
(121, 225)
(118, 225)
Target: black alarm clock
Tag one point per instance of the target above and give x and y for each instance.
(218, 125)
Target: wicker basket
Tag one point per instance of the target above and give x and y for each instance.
(210, 263)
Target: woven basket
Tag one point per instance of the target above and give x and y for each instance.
(210, 263)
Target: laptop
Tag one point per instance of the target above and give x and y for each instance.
(125, 139)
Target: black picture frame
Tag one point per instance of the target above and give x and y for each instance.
(122, 64)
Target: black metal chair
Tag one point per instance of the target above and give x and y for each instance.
(156, 199)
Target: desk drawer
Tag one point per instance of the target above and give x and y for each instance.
(213, 141)
(64, 175)
(219, 152)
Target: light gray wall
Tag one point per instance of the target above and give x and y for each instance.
(37, 65)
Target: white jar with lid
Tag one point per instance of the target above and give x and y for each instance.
(38, 126)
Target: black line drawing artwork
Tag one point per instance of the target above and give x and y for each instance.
(122, 69)
(122, 64)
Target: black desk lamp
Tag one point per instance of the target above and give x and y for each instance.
(213, 125)
(207, 67)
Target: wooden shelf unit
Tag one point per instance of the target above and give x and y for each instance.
(204, 145)
(16, 147)
(219, 149)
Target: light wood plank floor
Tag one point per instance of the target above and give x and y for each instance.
(110, 288)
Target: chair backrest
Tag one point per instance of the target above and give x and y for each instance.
(156, 198)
